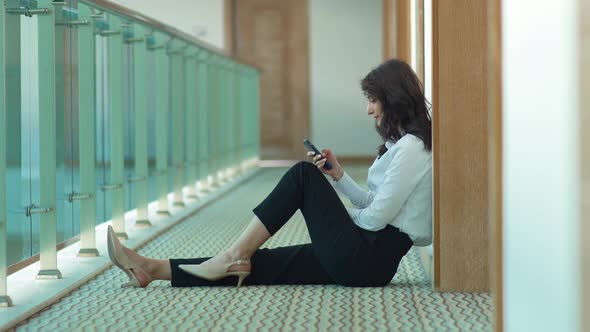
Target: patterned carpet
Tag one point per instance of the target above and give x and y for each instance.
(407, 304)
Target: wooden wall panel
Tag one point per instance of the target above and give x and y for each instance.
(402, 24)
(274, 36)
(229, 29)
(460, 146)
(389, 31)
(419, 21)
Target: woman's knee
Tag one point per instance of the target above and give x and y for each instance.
(303, 165)
(302, 168)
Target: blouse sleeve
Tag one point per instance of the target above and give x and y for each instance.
(357, 195)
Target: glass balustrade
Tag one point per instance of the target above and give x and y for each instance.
(102, 111)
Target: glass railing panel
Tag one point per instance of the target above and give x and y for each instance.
(5, 300)
(190, 123)
(214, 137)
(151, 98)
(105, 112)
(101, 29)
(203, 128)
(162, 111)
(18, 129)
(177, 117)
(130, 126)
(67, 162)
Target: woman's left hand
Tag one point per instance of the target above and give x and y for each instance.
(336, 172)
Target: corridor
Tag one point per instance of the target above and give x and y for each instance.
(407, 304)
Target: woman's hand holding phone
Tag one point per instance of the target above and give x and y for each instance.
(336, 172)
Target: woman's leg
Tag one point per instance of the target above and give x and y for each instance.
(243, 248)
(341, 246)
(292, 265)
(151, 268)
(337, 241)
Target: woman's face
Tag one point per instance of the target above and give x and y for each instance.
(375, 109)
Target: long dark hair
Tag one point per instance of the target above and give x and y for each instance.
(399, 90)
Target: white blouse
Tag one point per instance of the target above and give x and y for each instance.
(400, 191)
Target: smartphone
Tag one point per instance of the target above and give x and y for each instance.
(311, 147)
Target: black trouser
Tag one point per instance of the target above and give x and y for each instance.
(340, 252)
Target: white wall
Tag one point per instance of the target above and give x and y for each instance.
(200, 18)
(541, 179)
(345, 44)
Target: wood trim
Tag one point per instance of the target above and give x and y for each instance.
(584, 128)
(275, 35)
(402, 23)
(435, 149)
(388, 29)
(495, 158)
(229, 25)
(420, 40)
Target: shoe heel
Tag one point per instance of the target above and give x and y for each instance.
(240, 275)
(131, 283)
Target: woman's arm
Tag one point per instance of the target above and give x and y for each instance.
(343, 182)
(357, 195)
(406, 169)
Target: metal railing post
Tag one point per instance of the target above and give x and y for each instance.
(116, 123)
(47, 148)
(141, 133)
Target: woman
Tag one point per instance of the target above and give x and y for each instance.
(361, 246)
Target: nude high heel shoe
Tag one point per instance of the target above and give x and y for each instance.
(122, 261)
(199, 271)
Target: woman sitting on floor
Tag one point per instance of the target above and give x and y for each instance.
(360, 246)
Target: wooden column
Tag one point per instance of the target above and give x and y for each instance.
(402, 30)
(229, 25)
(419, 26)
(460, 146)
(389, 38)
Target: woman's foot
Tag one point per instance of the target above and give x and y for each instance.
(237, 263)
(220, 266)
(131, 263)
(141, 273)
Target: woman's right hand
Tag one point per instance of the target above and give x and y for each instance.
(336, 172)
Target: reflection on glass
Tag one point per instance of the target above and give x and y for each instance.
(151, 116)
(129, 113)
(103, 211)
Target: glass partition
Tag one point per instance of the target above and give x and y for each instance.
(18, 67)
(106, 111)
